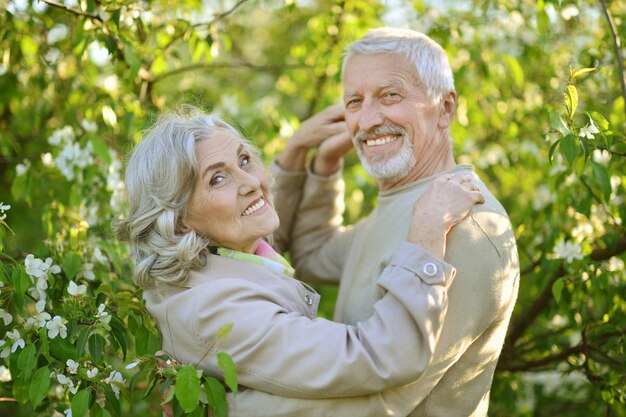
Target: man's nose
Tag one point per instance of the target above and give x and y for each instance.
(370, 117)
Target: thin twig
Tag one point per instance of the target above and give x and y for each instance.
(72, 10)
(618, 49)
(246, 65)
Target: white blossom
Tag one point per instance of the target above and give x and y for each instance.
(67, 412)
(76, 290)
(132, 365)
(14, 335)
(35, 267)
(72, 366)
(5, 352)
(588, 131)
(56, 327)
(5, 374)
(569, 11)
(86, 271)
(113, 379)
(57, 33)
(568, 250)
(3, 208)
(99, 55)
(55, 269)
(21, 169)
(47, 159)
(89, 125)
(63, 380)
(91, 373)
(62, 136)
(101, 312)
(543, 197)
(39, 319)
(6, 317)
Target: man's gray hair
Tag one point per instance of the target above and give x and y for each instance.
(161, 175)
(431, 61)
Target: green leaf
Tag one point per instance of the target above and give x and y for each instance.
(81, 341)
(101, 149)
(582, 71)
(216, 396)
(21, 280)
(599, 120)
(27, 360)
(39, 386)
(226, 364)
(557, 123)
(119, 333)
(112, 402)
(80, 403)
(224, 331)
(96, 347)
(187, 388)
(570, 147)
(571, 99)
(601, 177)
(557, 289)
(71, 264)
(62, 349)
(20, 390)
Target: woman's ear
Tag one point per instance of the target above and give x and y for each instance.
(448, 110)
(181, 225)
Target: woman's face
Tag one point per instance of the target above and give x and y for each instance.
(230, 204)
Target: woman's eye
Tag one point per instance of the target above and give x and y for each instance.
(244, 160)
(217, 180)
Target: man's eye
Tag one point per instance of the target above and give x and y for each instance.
(353, 102)
(244, 160)
(217, 180)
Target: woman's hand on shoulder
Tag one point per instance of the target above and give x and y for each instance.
(446, 202)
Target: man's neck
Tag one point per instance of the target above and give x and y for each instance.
(434, 165)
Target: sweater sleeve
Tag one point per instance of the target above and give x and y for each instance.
(319, 241)
(287, 189)
(287, 353)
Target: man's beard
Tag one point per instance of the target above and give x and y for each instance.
(389, 167)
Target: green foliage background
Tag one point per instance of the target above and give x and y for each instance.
(523, 111)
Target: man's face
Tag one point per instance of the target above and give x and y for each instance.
(392, 120)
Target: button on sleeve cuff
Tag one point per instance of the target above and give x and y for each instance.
(431, 270)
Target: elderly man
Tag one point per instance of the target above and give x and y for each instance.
(399, 104)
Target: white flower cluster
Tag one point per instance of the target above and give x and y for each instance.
(568, 250)
(71, 154)
(3, 208)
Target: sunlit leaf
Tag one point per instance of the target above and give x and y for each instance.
(39, 386)
(226, 364)
(80, 403)
(187, 388)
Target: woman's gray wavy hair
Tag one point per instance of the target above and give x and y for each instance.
(160, 178)
(429, 58)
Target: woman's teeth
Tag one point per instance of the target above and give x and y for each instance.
(253, 208)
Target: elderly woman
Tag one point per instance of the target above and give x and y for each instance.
(200, 211)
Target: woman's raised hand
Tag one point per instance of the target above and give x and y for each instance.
(446, 202)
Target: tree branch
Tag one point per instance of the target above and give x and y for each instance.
(72, 10)
(520, 325)
(220, 65)
(618, 50)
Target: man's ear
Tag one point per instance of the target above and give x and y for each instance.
(448, 110)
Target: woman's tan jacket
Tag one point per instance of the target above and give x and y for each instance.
(277, 343)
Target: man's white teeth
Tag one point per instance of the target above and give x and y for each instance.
(380, 141)
(254, 208)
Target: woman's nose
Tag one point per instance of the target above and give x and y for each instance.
(249, 183)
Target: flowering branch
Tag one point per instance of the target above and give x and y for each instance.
(72, 10)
